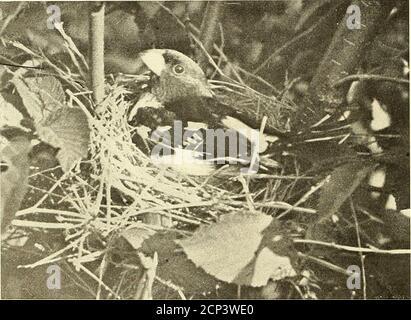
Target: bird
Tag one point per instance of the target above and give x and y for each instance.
(178, 90)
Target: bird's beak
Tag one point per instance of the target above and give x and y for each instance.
(154, 60)
(206, 92)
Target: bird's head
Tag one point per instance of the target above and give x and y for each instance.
(176, 75)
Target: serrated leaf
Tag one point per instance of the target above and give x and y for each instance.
(343, 181)
(231, 250)
(67, 129)
(40, 95)
(14, 156)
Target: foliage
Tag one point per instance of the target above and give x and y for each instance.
(86, 211)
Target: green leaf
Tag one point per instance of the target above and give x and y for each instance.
(67, 129)
(40, 95)
(343, 181)
(14, 157)
(231, 250)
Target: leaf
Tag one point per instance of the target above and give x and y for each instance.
(16, 237)
(233, 250)
(343, 181)
(174, 266)
(9, 115)
(136, 235)
(66, 128)
(397, 225)
(40, 95)
(14, 178)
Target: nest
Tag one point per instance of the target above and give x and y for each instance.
(110, 192)
(119, 184)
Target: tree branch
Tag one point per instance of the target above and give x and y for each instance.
(340, 60)
(209, 29)
(11, 17)
(369, 77)
(96, 40)
(320, 30)
(353, 249)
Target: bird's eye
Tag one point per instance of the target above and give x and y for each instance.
(178, 69)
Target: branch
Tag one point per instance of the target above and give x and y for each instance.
(209, 29)
(144, 288)
(12, 16)
(96, 40)
(369, 77)
(325, 264)
(340, 60)
(318, 29)
(353, 249)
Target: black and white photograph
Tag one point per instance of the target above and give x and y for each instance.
(225, 151)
